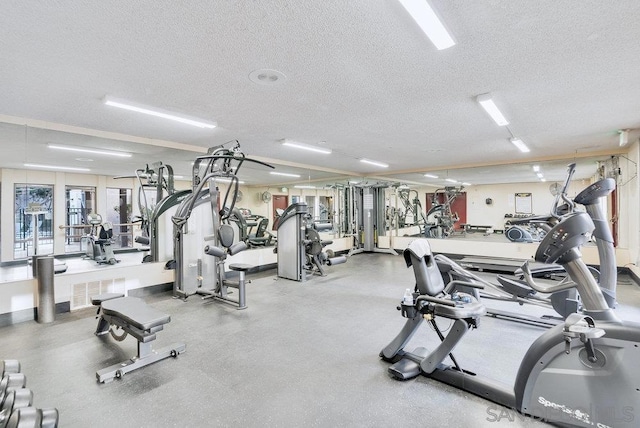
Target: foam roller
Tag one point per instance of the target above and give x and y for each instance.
(336, 260)
(237, 247)
(144, 240)
(322, 227)
(214, 251)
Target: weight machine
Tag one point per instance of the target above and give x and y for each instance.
(202, 242)
(442, 219)
(158, 178)
(300, 248)
(366, 213)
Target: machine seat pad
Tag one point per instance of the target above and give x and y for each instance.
(99, 298)
(240, 267)
(135, 312)
(474, 309)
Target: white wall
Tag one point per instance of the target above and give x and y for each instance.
(629, 203)
(503, 197)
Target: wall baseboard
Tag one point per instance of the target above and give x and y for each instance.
(29, 314)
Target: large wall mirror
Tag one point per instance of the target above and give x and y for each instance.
(437, 203)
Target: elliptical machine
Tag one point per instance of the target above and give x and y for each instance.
(580, 373)
(566, 301)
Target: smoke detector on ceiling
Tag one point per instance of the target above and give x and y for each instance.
(266, 76)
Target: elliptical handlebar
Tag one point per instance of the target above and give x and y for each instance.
(528, 277)
(213, 171)
(562, 195)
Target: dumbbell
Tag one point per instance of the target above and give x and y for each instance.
(30, 417)
(14, 399)
(9, 366)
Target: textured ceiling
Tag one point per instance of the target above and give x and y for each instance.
(360, 76)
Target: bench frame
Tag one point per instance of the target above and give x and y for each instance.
(146, 354)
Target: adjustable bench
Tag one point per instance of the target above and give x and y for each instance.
(472, 228)
(136, 318)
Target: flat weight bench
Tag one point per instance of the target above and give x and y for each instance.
(136, 318)
(472, 228)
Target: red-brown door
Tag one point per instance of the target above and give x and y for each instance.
(459, 205)
(280, 202)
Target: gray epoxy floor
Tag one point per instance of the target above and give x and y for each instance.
(300, 355)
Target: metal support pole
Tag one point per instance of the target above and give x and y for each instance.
(46, 305)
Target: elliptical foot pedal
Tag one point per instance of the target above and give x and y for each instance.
(407, 368)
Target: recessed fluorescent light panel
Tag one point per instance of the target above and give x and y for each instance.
(304, 186)
(376, 163)
(64, 168)
(306, 147)
(226, 180)
(426, 18)
(153, 111)
(92, 151)
(520, 145)
(466, 184)
(450, 180)
(539, 174)
(624, 137)
(536, 168)
(431, 176)
(492, 110)
(284, 174)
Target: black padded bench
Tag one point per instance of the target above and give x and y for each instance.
(133, 317)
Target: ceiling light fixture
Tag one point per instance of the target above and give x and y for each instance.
(426, 18)
(624, 137)
(431, 176)
(284, 174)
(539, 174)
(267, 76)
(96, 152)
(450, 180)
(492, 110)
(226, 180)
(520, 145)
(376, 163)
(152, 111)
(65, 168)
(466, 184)
(304, 186)
(536, 168)
(543, 180)
(306, 147)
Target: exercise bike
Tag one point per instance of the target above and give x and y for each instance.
(581, 373)
(99, 241)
